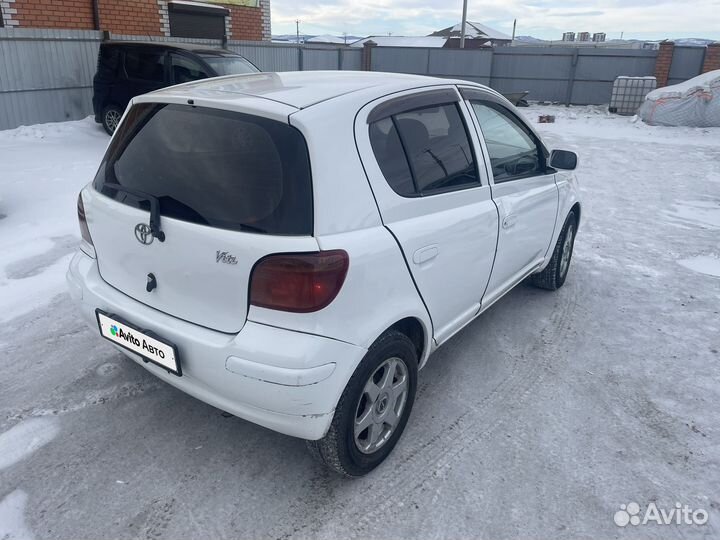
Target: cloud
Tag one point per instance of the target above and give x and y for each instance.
(579, 14)
(543, 18)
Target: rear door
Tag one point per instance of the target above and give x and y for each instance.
(523, 188)
(230, 189)
(421, 162)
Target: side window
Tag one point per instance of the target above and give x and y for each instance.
(186, 69)
(391, 157)
(424, 151)
(145, 65)
(513, 150)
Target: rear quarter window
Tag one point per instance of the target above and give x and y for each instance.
(212, 167)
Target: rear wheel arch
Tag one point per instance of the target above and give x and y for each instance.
(414, 329)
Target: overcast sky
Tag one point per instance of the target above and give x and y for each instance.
(547, 19)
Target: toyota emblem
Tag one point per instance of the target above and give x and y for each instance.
(144, 234)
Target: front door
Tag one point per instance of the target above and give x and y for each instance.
(524, 190)
(434, 199)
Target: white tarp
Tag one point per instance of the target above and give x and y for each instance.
(694, 103)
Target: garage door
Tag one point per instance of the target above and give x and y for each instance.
(196, 21)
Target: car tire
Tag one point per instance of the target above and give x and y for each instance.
(554, 274)
(363, 432)
(111, 116)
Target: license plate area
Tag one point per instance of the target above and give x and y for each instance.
(145, 343)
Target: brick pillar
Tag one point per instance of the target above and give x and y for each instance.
(663, 62)
(367, 55)
(712, 57)
(265, 7)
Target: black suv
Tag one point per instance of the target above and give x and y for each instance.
(129, 68)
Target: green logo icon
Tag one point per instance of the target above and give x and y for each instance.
(114, 330)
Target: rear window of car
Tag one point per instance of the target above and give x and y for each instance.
(212, 167)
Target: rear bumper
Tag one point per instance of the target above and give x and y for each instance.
(287, 381)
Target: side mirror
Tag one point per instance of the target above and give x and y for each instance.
(563, 159)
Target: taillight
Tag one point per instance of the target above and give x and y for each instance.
(300, 283)
(84, 231)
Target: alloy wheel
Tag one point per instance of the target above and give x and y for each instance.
(381, 405)
(567, 249)
(112, 119)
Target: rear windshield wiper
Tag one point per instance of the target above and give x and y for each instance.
(154, 207)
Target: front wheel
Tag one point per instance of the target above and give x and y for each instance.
(373, 410)
(554, 274)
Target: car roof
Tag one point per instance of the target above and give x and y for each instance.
(300, 89)
(191, 47)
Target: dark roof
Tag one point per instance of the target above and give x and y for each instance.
(193, 47)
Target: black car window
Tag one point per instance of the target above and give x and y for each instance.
(108, 62)
(145, 65)
(391, 157)
(230, 65)
(186, 69)
(513, 150)
(425, 150)
(212, 167)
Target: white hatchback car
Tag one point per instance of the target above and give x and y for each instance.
(292, 247)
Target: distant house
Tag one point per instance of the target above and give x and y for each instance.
(403, 41)
(328, 39)
(476, 35)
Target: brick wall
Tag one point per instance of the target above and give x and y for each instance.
(246, 22)
(712, 58)
(73, 14)
(135, 17)
(663, 63)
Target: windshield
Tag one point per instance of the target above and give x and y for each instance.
(230, 65)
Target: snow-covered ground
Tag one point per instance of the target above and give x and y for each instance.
(43, 168)
(539, 420)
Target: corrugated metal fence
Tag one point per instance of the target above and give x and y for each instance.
(568, 75)
(686, 63)
(46, 75)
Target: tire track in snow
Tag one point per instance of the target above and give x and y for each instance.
(442, 450)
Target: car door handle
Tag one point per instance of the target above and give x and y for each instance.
(509, 221)
(425, 254)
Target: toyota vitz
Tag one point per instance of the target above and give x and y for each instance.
(292, 247)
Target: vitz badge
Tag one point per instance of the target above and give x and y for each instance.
(225, 257)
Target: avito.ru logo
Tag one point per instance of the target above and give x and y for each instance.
(629, 514)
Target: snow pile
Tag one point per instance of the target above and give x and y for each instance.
(695, 103)
(12, 517)
(43, 168)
